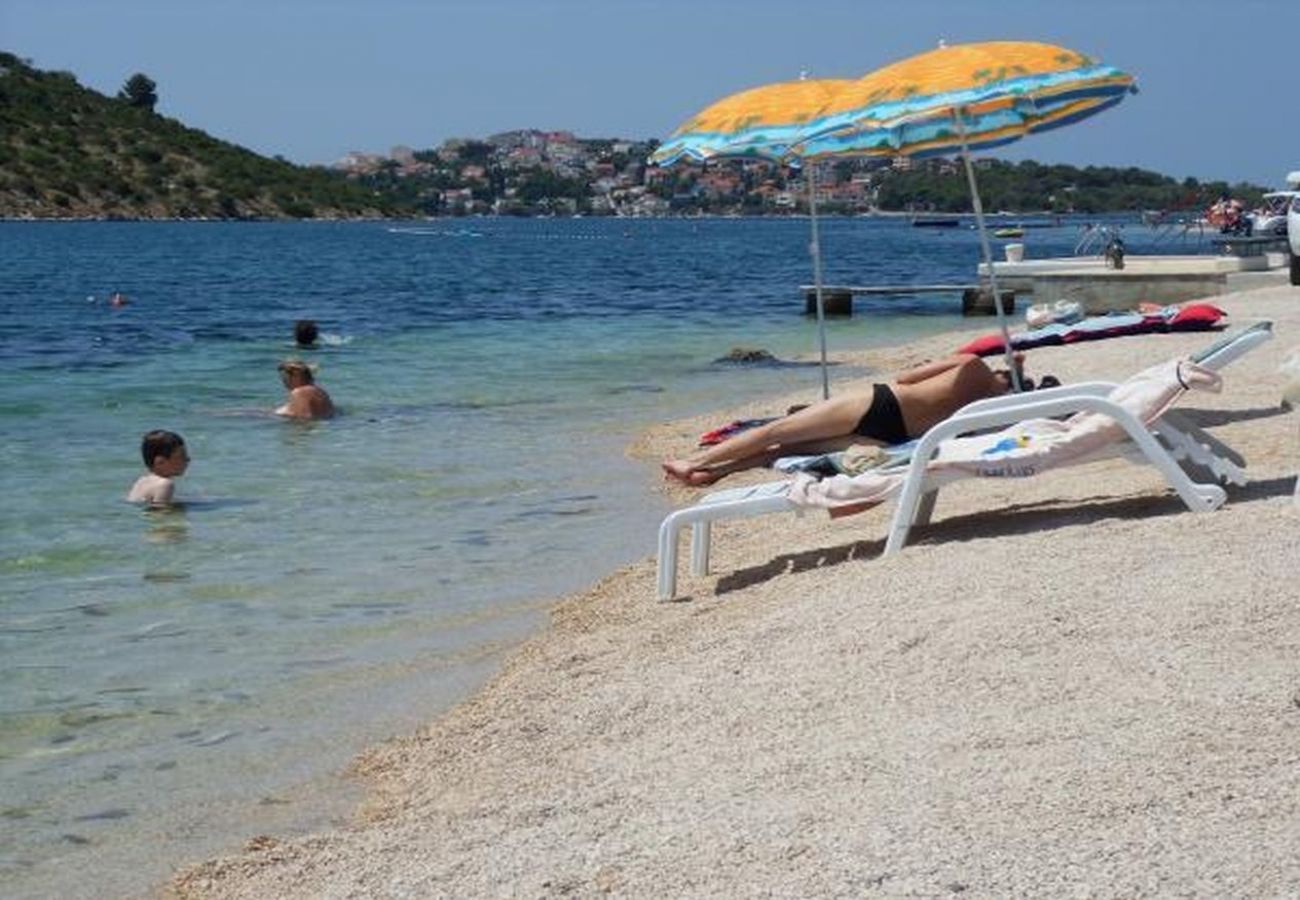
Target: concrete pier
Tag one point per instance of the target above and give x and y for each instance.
(979, 302)
(1144, 279)
(1086, 279)
(837, 300)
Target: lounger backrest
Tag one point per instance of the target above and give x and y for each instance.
(1232, 346)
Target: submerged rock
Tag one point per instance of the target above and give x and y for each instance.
(756, 356)
(747, 355)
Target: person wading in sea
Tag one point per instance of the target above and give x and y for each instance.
(307, 400)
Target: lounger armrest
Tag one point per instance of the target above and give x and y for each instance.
(1017, 401)
(1035, 405)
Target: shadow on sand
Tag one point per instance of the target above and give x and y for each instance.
(1004, 522)
(1211, 418)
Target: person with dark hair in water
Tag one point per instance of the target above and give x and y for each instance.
(305, 333)
(166, 459)
(892, 413)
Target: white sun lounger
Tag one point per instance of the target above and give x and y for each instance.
(1181, 441)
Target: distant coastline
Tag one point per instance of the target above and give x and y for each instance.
(70, 153)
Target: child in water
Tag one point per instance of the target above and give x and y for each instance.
(166, 459)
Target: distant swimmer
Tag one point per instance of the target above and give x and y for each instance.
(307, 400)
(166, 458)
(305, 333)
(117, 298)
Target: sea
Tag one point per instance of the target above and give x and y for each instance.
(173, 683)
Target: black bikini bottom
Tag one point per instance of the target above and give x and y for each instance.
(883, 420)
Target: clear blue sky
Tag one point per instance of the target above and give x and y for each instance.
(313, 79)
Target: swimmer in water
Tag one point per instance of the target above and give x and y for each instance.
(166, 458)
(307, 400)
(118, 299)
(305, 333)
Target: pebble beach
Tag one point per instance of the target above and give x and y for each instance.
(1068, 685)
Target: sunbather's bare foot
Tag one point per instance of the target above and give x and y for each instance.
(686, 473)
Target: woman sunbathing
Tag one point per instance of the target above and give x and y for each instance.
(890, 413)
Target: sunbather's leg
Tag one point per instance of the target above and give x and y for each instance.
(824, 421)
(703, 476)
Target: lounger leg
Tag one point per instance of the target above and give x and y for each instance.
(667, 581)
(1201, 449)
(1199, 435)
(926, 507)
(913, 487)
(1198, 497)
(701, 540)
(904, 516)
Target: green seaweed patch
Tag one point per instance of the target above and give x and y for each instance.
(165, 577)
(223, 591)
(58, 559)
(83, 718)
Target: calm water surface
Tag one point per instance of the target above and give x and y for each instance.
(172, 682)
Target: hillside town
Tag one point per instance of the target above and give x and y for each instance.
(539, 173)
(532, 172)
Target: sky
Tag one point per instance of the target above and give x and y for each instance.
(311, 80)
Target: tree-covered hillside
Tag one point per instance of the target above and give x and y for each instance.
(1032, 186)
(66, 150)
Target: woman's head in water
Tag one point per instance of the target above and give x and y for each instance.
(295, 372)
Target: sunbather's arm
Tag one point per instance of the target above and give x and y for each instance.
(939, 366)
(933, 368)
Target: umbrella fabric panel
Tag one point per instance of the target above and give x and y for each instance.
(1004, 89)
(937, 135)
(964, 74)
(759, 123)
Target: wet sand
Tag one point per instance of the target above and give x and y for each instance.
(1066, 685)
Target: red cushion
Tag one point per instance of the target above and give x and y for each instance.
(983, 345)
(1197, 315)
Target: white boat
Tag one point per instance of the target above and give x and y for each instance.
(1270, 218)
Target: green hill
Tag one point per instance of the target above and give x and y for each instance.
(66, 150)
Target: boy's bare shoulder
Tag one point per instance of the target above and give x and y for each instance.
(152, 489)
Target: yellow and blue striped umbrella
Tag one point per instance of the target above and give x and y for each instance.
(963, 98)
(952, 99)
(760, 123)
(1003, 90)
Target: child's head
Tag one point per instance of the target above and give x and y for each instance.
(295, 372)
(164, 453)
(305, 332)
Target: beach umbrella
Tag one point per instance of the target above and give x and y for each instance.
(960, 98)
(762, 123)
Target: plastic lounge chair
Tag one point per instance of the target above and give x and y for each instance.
(1162, 443)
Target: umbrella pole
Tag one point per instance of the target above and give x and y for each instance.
(987, 250)
(815, 249)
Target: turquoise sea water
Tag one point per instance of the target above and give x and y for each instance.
(171, 682)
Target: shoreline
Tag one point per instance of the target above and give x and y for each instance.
(807, 722)
(870, 214)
